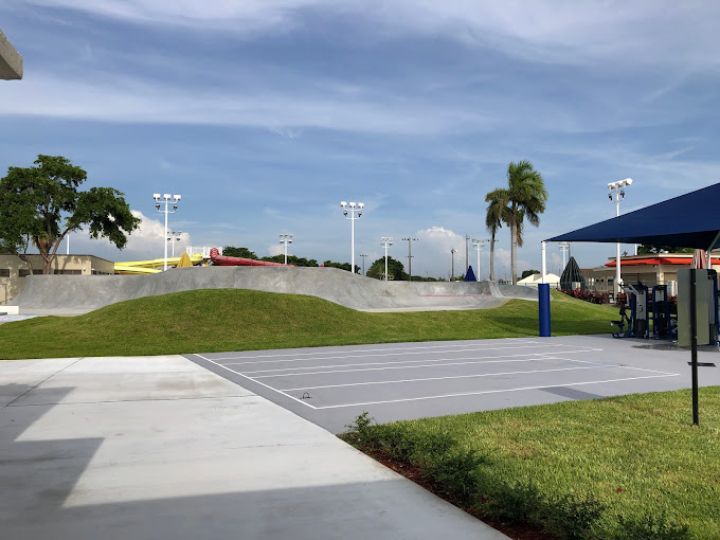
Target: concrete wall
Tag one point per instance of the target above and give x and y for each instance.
(11, 63)
(72, 294)
(14, 270)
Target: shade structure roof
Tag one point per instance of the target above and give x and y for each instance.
(691, 221)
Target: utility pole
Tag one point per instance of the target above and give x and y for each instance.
(409, 240)
(453, 251)
(363, 255)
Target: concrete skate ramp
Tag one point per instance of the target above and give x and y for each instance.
(69, 295)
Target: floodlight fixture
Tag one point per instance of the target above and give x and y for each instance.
(286, 239)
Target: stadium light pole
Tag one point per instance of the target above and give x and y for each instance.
(617, 193)
(386, 242)
(352, 211)
(286, 239)
(162, 205)
(409, 240)
(173, 237)
(478, 244)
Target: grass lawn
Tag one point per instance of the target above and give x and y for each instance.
(634, 458)
(235, 319)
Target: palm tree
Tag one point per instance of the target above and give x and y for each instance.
(526, 196)
(494, 217)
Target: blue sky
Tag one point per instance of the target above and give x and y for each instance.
(264, 114)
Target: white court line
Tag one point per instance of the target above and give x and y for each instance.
(434, 360)
(258, 382)
(340, 357)
(419, 348)
(490, 392)
(399, 381)
(542, 357)
(620, 366)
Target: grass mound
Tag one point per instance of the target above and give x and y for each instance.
(631, 467)
(235, 319)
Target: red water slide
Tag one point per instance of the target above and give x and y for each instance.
(222, 260)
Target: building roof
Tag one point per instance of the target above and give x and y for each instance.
(11, 63)
(669, 259)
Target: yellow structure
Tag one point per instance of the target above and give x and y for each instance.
(153, 266)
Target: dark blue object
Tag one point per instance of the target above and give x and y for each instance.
(690, 220)
(544, 309)
(470, 275)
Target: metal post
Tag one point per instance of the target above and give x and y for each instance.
(352, 242)
(409, 240)
(452, 263)
(467, 260)
(286, 243)
(67, 244)
(362, 256)
(386, 262)
(694, 347)
(165, 256)
(543, 253)
(477, 276)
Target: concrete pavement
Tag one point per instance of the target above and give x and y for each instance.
(161, 448)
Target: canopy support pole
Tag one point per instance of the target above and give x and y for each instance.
(543, 252)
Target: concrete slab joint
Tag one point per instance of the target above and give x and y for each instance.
(11, 63)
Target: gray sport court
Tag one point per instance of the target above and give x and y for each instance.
(332, 385)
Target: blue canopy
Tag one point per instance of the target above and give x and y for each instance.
(688, 221)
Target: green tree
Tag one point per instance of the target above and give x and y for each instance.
(341, 266)
(245, 253)
(396, 270)
(40, 205)
(495, 215)
(526, 273)
(292, 259)
(526, 198)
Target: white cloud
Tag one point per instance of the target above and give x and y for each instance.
(127, 100)
(653, 32)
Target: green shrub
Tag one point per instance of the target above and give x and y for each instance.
(649, 527)
(455, 473)
(518, 503)
(572, 518)
(361, 430)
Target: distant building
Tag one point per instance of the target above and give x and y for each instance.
(13, 269)
(650, 270)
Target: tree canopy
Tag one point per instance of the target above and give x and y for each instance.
(40, 205)
(396, 270)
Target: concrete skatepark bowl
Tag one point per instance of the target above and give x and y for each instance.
(69, 295)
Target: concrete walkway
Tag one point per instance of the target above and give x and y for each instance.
(160, 448)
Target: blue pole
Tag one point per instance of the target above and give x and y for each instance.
(544, 309)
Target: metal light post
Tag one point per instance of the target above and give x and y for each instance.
(162, 205)
(386, 242)
(617, 193)
(286, 239)
(362, 256)
(409, 240)
(352, 211)
(172, 238)
(564, 249)
(453, 251)
(467, 253)
(478, 244)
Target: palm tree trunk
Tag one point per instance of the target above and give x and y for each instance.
(492, 256)
(513, 251)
